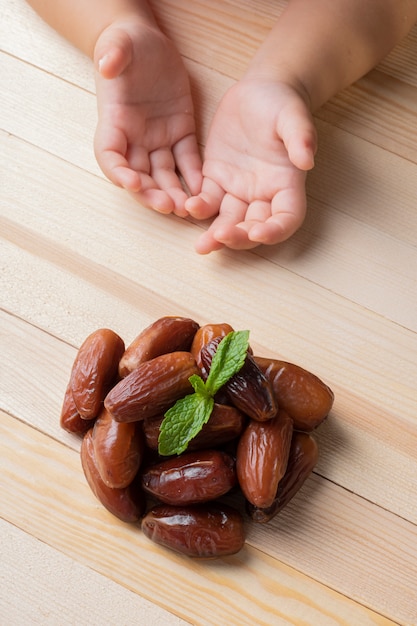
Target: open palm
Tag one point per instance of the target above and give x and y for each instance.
(146, 132)
(260, 145)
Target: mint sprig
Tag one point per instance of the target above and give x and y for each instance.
(183, 421)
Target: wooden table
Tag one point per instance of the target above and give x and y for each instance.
(339, 298)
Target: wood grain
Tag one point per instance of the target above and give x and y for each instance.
(339, 298)
(228, 590)
(88, 595)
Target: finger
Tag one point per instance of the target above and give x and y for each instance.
(288, 209)
(149, 193)
(232, 212)
(236, 238)
(208, 202)
(188, 161)
(116, 168)
(206, 243)
(110, 148)
(127, 178)
(155, 199)
(227, 227)
(166, 178)
(258, 211)
(163, 170)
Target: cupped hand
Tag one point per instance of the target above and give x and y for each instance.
(261, 143)
(145, 137)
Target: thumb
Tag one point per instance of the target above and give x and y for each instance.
(298, 133)
(113, 52)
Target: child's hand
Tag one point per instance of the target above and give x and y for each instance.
(145, 134)
(261, 143)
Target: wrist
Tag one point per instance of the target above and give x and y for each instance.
(279, 73)
(126, 14)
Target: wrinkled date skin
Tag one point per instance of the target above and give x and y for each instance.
(167, 334)
(301, 462)
(152, 388)
(249, 390)
(191, 478)
(118, 449)
(262, 457)
(300, 393)
(128, 504)
(94, 371)
(225, 424)
(204, 531)
(70, 420)
(204, 336)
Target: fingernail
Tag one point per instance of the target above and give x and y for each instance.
(101, 61)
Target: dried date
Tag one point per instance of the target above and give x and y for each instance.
(249, 390)
(94, 371)
(191, 478)
(204, 336)
(167, 334)
(152, 387)
(301, 462)
(262, 457)
(204, 531)
(305, 397)
(128, 504)
(225, 424)
(70, 419)
(118, 449)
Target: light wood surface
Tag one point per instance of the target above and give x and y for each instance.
(339, 298)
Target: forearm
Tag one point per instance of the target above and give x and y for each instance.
(82, 21)
(326, 45)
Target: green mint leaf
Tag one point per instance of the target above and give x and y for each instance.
(199, 385)
(228, 359)
(186, 418)
(183, 422)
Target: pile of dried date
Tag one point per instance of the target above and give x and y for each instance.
(257, 438)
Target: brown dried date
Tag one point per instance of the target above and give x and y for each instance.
(225, 424)
(167, 334)
(301, 462)
(117, 398)
(249, 390)
(94, 370)
(205, 531)
(205, 335)
(128, 504)
(262, 457)
(152, 387)
(191, 478)
(300, 393)
(118, 450)
(70, 420)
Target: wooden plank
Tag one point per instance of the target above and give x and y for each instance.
(379, 108)
(315, 328)
(370, 185)
(401, 62)
(23, 34)
(317, 533)
(32, 99)
(294, 320)
(361, 447)
(243, 589)
(339, 298)
(373, 268)
(367, 109)
(46, 587)
(377, 247)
